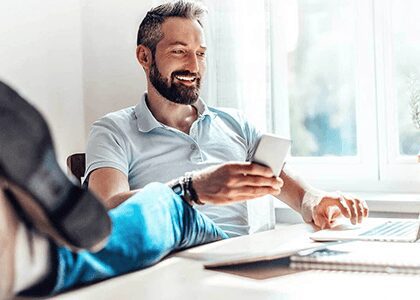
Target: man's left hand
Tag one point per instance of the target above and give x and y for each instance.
(332, 206)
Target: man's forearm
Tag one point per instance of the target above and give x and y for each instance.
(292, 192)
(117, 199)
(317, 206)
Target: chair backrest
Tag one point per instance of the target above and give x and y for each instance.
(76, 165)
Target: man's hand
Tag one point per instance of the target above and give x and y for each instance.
(331, 206)
(233, 182)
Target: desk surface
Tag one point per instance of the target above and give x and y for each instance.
(182, 276)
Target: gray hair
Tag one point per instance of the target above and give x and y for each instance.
(150, 33)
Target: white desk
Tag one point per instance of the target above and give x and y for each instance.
(182, 276)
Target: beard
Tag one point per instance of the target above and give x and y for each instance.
(174, 91)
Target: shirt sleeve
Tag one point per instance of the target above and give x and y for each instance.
(252, 135)
(106, 148)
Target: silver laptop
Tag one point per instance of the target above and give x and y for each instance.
(373, 229)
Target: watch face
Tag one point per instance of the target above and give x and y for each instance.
(177, 188)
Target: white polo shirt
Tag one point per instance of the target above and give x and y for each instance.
(134, 142)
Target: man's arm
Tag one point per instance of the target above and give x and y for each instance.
(320, 207)
(222, 184)
(292, 193)
(111, 186)
(235, 181)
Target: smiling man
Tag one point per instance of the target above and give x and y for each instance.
(171, 134)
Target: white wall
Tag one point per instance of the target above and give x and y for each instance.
(40, 55)
(74, 59)
(112, 77)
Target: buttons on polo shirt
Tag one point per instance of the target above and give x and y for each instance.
(196, 155)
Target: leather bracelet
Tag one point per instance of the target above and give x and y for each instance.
(189, 189)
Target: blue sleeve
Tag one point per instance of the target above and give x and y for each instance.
(106, 147)
(250, 132)
(240, 123)
(253, 136)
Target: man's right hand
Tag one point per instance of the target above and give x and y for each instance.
(233, 182)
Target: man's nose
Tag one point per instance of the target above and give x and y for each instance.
(192, 63)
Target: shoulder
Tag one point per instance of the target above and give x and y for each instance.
(119, 120)
(231, 115)
(237, 121)
(120, 116)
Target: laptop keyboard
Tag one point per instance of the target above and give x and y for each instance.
(392, 228)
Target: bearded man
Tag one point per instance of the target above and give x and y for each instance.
(171, 134)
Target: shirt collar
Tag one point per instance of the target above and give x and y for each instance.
(146, 122)
(203, 110)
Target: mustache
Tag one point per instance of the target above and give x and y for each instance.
(185, 73)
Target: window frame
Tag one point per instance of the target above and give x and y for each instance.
(376, 166)
(393, 167)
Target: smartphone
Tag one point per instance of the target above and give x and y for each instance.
(271, 152)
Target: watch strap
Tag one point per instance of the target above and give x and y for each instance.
(183, 187)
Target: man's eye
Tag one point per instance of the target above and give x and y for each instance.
(178, 51)
(202, 54)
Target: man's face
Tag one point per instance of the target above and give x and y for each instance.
(179, 61)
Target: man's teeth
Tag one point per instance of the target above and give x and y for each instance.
(185, 78)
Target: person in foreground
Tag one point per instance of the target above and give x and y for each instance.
(172, 133)
(46, 221)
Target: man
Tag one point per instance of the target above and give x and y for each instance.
(41, 210)
(172, 132)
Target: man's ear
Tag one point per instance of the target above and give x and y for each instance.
(144, 56)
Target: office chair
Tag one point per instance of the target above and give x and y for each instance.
(76, 165)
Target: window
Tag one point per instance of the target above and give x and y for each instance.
(397, 70)
(405, 71)
(337, 76)
(321, 80)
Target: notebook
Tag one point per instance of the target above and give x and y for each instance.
(391, 230)
(384, 257)
(263, 246)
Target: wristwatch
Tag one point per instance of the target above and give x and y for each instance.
(183, 187)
